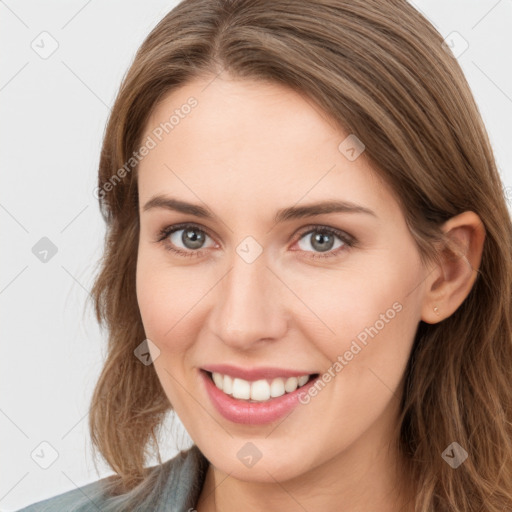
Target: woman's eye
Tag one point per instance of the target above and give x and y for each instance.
(185, 240)
(319, 241)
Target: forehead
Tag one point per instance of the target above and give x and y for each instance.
(237, 111)
(253, 141)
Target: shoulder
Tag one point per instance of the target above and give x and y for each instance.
(174, 485)
(74, 499)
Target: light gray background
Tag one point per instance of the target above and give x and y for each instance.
(53, 113)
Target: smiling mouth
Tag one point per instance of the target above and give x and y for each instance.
(261, 390)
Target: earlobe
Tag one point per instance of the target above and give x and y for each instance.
(452, 280)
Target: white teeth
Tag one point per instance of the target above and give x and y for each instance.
(291, 384)
(259, 390)
(241, 389)
(277, 388)
(218, 379)
(302, 380)
(227, 383)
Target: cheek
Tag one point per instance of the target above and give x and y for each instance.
(377, 344)
(169, 301)
(342, 306)
(159, 296)
(367, 320)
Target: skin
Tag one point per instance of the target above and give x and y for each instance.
(247, 150)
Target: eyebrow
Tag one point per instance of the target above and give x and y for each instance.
(292, 212)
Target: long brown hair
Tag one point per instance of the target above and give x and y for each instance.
(381, 71)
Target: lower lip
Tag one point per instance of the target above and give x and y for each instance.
(253, 413)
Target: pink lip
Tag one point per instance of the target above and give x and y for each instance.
(251, 374)
(252, 413)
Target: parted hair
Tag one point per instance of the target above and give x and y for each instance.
(380, 70)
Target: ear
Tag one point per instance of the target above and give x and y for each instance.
(450, 282)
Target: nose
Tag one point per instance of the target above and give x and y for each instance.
(249, 307)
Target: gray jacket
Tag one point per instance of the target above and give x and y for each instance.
(177, 484)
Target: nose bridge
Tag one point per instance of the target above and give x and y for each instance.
(247, 305)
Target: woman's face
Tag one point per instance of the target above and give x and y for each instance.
(256, 288)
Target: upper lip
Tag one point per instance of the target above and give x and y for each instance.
(252, 374)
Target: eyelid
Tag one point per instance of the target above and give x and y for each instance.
(343, 235)
(171, 228)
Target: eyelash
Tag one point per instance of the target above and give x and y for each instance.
(348, 240)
